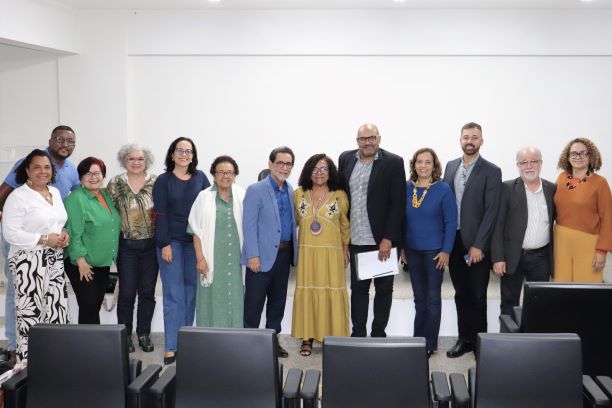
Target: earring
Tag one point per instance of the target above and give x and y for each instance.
(29, 182)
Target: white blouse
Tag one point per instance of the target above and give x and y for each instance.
(27, 216)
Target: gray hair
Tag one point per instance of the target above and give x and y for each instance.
(529, 148)
(125, 150)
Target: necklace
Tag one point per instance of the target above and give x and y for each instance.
(416, 202)
(316, 228)
(573, 182)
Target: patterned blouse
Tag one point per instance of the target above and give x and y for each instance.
(136, 209)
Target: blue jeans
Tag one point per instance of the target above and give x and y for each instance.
(179, 279)
(426, 285)
(9, 305)
(137, 267)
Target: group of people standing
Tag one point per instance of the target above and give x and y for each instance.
(224, 253)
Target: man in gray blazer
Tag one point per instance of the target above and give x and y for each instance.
(522, 243)
(476, 184)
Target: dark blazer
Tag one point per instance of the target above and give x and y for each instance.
(511, 225)
(386, 193)
(480, 201)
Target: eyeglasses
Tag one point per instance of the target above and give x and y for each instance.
(62, 140)
(524, 163)
(369, 139)
(135, 159)
(582, 154)
(281, 164)
(183, 152)
(322, 170)
(95, 174)
(224, 173)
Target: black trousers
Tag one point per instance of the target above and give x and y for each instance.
(360, 298)
(90, 294)
(270, 285)
(470, 283)
(533, 267)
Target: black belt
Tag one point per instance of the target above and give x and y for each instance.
(284, 244)
(533, 251)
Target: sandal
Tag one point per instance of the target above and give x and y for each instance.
(306, 348)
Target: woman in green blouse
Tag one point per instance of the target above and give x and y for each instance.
(93, 225)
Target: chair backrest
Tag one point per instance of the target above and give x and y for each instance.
(375, 372)
(227, 368)
(525, 370)
(77, 366)
(581, 308)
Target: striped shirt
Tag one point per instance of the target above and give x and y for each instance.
(361, 232)
(538, 224)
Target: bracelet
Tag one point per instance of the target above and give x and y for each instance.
(44, 238)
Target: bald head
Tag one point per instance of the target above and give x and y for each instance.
(368, 141)
(367, 129)
(530, 151)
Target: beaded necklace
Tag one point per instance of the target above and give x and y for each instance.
(573, 182)
(416, 202)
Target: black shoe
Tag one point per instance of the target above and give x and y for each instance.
(430, 353)
(282, 353)
(145, 343)
(131, 347)
(170, 360)
(459, 349)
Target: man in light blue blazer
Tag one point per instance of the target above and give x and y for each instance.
(270, 243)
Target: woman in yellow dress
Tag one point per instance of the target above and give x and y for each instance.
(320, 303)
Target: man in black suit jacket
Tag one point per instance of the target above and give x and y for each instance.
(375, 181)
(476, 184)
(522, 243)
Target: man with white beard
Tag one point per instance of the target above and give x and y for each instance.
(522, 243)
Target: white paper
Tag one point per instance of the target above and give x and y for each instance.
(369, 266)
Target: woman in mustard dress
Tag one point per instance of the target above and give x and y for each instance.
(320, 303)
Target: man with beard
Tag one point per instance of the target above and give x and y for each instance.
(61, 146)
(522, 243)
(269, 244)
(476, 184)
(375, 182)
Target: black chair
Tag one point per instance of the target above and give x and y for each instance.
(581, 308)
(80, 366)
(377, 372)
(226, 368)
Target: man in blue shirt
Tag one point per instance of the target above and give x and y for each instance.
(270, 243)
(61, 146)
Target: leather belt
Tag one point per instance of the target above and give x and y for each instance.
(533, 251)
(284, 244)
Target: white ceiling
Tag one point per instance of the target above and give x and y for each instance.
(334, 4)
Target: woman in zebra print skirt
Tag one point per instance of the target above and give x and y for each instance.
(32, 223)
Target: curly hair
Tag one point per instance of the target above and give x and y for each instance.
(305, 181)
(125, 150)
(594, 155)
(224, 159)
(21, 174)
(436, 174)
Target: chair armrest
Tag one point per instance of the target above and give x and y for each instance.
(291, 390)
(310, 389)
(139, 391)
(459, 391)
(135, 368)
(605, 383)
(507, 324)
(593, 395)
(16, 390)
(440, 390)
(517, 315)
(163, 391)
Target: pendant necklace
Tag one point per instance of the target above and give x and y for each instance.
(316, 227)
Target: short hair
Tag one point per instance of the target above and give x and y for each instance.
(85, 165)
(471, 125)
(305, 180)
(281, 149)
(535, 149)
(191, 169)
(62, 127)
(126, 149)
(594, 155)
(21, 175)
(436, 174)
(223, 159)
